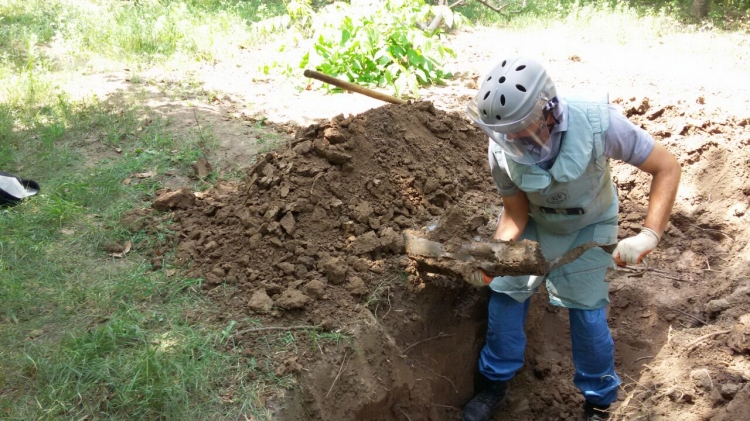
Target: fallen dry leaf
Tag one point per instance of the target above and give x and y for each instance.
(125, 249)
(127, 181)
(148, 174)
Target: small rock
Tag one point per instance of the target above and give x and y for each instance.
(260, 302)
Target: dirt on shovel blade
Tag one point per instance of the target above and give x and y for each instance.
(495, 258)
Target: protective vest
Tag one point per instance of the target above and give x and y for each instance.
(577, 190)
(573, 203)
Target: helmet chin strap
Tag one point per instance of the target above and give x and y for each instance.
(547, 111)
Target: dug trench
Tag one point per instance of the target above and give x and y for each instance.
(312, 241)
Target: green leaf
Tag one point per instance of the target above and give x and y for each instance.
(400, 84)
(345, 35)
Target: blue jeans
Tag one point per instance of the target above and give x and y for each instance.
(593, 347)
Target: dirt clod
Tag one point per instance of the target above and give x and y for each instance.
(178, 199)
(356, 286)
(260, 302)
(292, 299)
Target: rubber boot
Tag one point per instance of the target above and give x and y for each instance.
(595, 412)
(485, 403)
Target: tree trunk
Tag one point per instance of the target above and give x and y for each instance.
(699, 8)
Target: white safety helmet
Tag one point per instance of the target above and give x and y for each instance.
(510, 107)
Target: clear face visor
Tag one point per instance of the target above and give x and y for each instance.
(525, 141)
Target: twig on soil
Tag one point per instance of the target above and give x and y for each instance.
(674, 278)
(445, 406)
(689, 315)
(440, 375)
(640, 393)
(713, 230)
(439, 335)
(642, 271)
(260, 329)
(402, 411)
(642, 358)
(711, 382)
(195, 114)
(338, 375)
(696, 342)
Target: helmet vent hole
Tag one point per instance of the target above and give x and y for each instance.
(503, 65)
(521, 67)
(488, 94)
(502, 100)
(502, 79)
(498, 117)
(519, 87)
(489, 78)
(484, 112)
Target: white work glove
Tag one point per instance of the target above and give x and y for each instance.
(478, 278)
(631, 250)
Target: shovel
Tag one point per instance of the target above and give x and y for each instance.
(494, 259)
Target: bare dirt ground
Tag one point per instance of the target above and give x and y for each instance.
(312, 236)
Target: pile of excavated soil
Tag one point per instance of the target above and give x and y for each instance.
(314, 237)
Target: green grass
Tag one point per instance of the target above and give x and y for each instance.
(83, 334)
(48, 33)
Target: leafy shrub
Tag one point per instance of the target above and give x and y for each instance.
(373, 43)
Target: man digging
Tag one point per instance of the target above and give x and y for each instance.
(549, 157)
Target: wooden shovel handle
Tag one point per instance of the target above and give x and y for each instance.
(352, 87)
